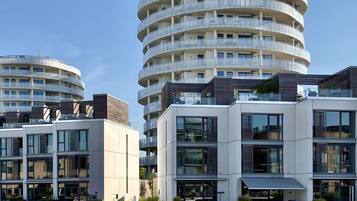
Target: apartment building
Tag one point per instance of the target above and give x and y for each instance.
(78, 150)
(27, 81)
(291, 137)
(186, 41)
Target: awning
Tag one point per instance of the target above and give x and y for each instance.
(261, 183)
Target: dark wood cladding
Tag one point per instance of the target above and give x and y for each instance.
(223, 91)
(345, 79)
(108, 107)
(288, 86)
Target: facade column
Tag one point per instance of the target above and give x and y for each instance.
(55, 162)
(24, 164)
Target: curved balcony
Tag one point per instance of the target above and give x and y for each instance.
(276, 6)
(148, 160)
(15, 108)
(148, 143)
(152, 107)
(278, 65)
(236, 23)
(241, 44)
(44, 75)
(144, 3)
(46, 87)
(151, 124)
(42, 61)
(150, 90)
(34, 98)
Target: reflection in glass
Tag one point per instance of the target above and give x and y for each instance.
(39, 144)
(197, 190)
(40, 168)
(11, 147)
(11, 170)
(41, 191)
(73, 140)
(330, 158)
(196, 161)
(73, 166)
(262, 159)
(333, 190)
(196, 129)
(333, 124)
(11, 192)
(73, 191)
(262, 126)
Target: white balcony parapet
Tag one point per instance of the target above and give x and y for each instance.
(253, 23)
(152, 107)
(150, 90)
(281, 65)
(277, 6)
(243, 44)
(150, 124)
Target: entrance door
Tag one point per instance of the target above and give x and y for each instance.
(347, 193)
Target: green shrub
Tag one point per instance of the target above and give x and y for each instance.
(143, 199)
(244, 198)
(318, 199)
(153, 199)
(177, 199)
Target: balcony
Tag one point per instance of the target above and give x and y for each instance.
(152, 107)
(326, 93)
(150, 90)
(150, 124)
(186, 100)
(257, 97)
(276, 6)
(253, 23)
(148, 143)
(212, 63)
(148, 160)
(242, 44)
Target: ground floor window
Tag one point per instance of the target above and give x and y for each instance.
(11, 192)
(266, 195)
(39, 192)
(334, 190)
(69, 191)
(197, 190)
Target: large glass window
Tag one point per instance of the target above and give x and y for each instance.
(196, 129)
(11, 192)
(197, 190)
(334, 124)
(73, 191)
(260, 195)
(262, 159)
(334, 158)
(11, 147)
(334, 190)
(196, 161)
(262, 126)
(11, 170)
(40, 168)
(73, 166)
(39, 144)
(40, 191)
(72, 140)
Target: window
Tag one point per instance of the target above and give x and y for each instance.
(38, 93)
(244, 56)
(200, 56)
(196, 129)
(39, 168)
(262, 126)
(11, 147)
(220, 55)
(220, 36)
(73, 166)
(23, 81)
(334, 124)
(220, 73)
(38, 70)
(245, 36)
(229, 55)
(200, 75)
(333, 158)
(200, 37)
(72, 140)
(336, 190)
(245, 74)
(267, 56)
(262, 159)
(267, 75)
(40, 191)
(269, 38)
(11, 191)
(24, 93)
(73, 191)
(38, 81)
(196, 161)
(229, 36)
(197, 190)
(229, 74)
(267, 18)
(11, 170)
(39, 144)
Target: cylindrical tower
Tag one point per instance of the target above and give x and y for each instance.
(27, 81)
(195, 40)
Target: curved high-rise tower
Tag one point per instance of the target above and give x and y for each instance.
(195, 40)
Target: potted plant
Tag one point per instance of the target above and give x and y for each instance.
(245, 198)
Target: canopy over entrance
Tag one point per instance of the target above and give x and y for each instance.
(272, 184)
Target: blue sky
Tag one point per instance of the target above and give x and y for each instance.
(99, 37)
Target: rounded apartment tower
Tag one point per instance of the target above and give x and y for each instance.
(194, 40)
(28, 81)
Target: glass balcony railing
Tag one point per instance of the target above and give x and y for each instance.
(257, 97)
(148, 142)
(324, 93)
(194, 100)
(148, 160)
